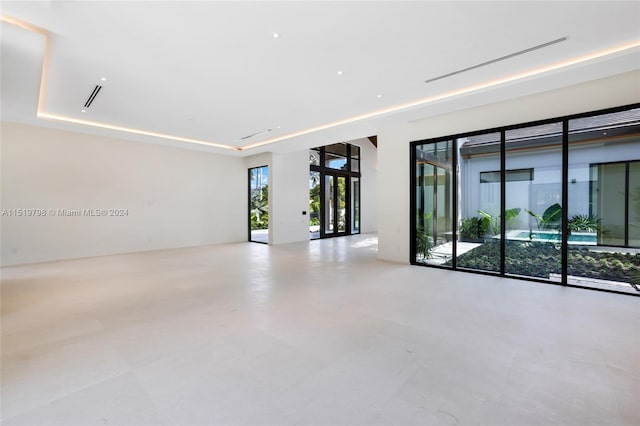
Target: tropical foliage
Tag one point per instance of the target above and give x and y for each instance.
(314, 199)
(538, 259)
(585, 223)
(550, 219)
(424, 236)
(473, 228)
(494, 221)
(260, 208)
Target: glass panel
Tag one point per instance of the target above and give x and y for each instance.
(355, 205)
(328, 204)
(434, 215)
(337, 149)
(533, 210)
(314, 157)
(634, 203)
(355, 158)
(314, 205)
(608, 193)
(510, 175)
(599, 154)
(259, 204)
(478, 245)
(335, 156)
(342, 204)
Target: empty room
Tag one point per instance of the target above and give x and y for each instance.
(320, 213)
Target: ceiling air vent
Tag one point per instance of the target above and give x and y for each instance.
(502, 58)
(92, 97)
(255, 134)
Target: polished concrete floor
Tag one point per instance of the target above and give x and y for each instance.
(312, 333)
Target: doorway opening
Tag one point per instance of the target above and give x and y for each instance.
(259, 204)
(334, 191)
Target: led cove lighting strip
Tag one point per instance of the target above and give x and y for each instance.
(457, 92)
(41, 113)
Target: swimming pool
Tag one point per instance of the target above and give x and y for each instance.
(582, 238)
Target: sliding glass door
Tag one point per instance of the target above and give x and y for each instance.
(434, 196)
(533, 202)
(553, 201)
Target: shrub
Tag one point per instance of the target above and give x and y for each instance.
(538, 259)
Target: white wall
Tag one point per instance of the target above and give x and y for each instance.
(368, 185)
(393, 192)
(174, 197)
(547, 165)
(288, 194)
(394, 138)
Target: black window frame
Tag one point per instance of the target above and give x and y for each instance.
(249, 206)
(503, 149)
(627, 195)
(348, 173)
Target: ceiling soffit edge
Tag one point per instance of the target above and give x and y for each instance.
(533, 72)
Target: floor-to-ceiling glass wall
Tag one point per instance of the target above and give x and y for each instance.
(604, 201)
(533, 201)
(334, 190)
(354, 167)
(633, 195)
(479, 208)
(314, 205)
(553, 201)
(259, 204)
(355, 205)
(434, 209)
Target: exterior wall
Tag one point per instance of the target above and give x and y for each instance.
(546, 165)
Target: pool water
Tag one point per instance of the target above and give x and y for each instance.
(554, 237)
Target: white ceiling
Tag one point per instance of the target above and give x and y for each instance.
(213, 71)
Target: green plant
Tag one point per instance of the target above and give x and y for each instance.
(584, 223)
(424, 243)
(539, 259)
(473, 228)
(424, 238)
(493, 223)
(260, 208)
(550, 219)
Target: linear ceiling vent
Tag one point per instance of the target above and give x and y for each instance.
(92, 97)
(502, 58)
(255, 134)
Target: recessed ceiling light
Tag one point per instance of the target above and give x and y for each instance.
(276, 35)
(103, 79)
(278, 127)
(41, 112)
(340, 72)
(379, 95)
(84, 110)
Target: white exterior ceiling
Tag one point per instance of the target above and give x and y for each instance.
(213, 71)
